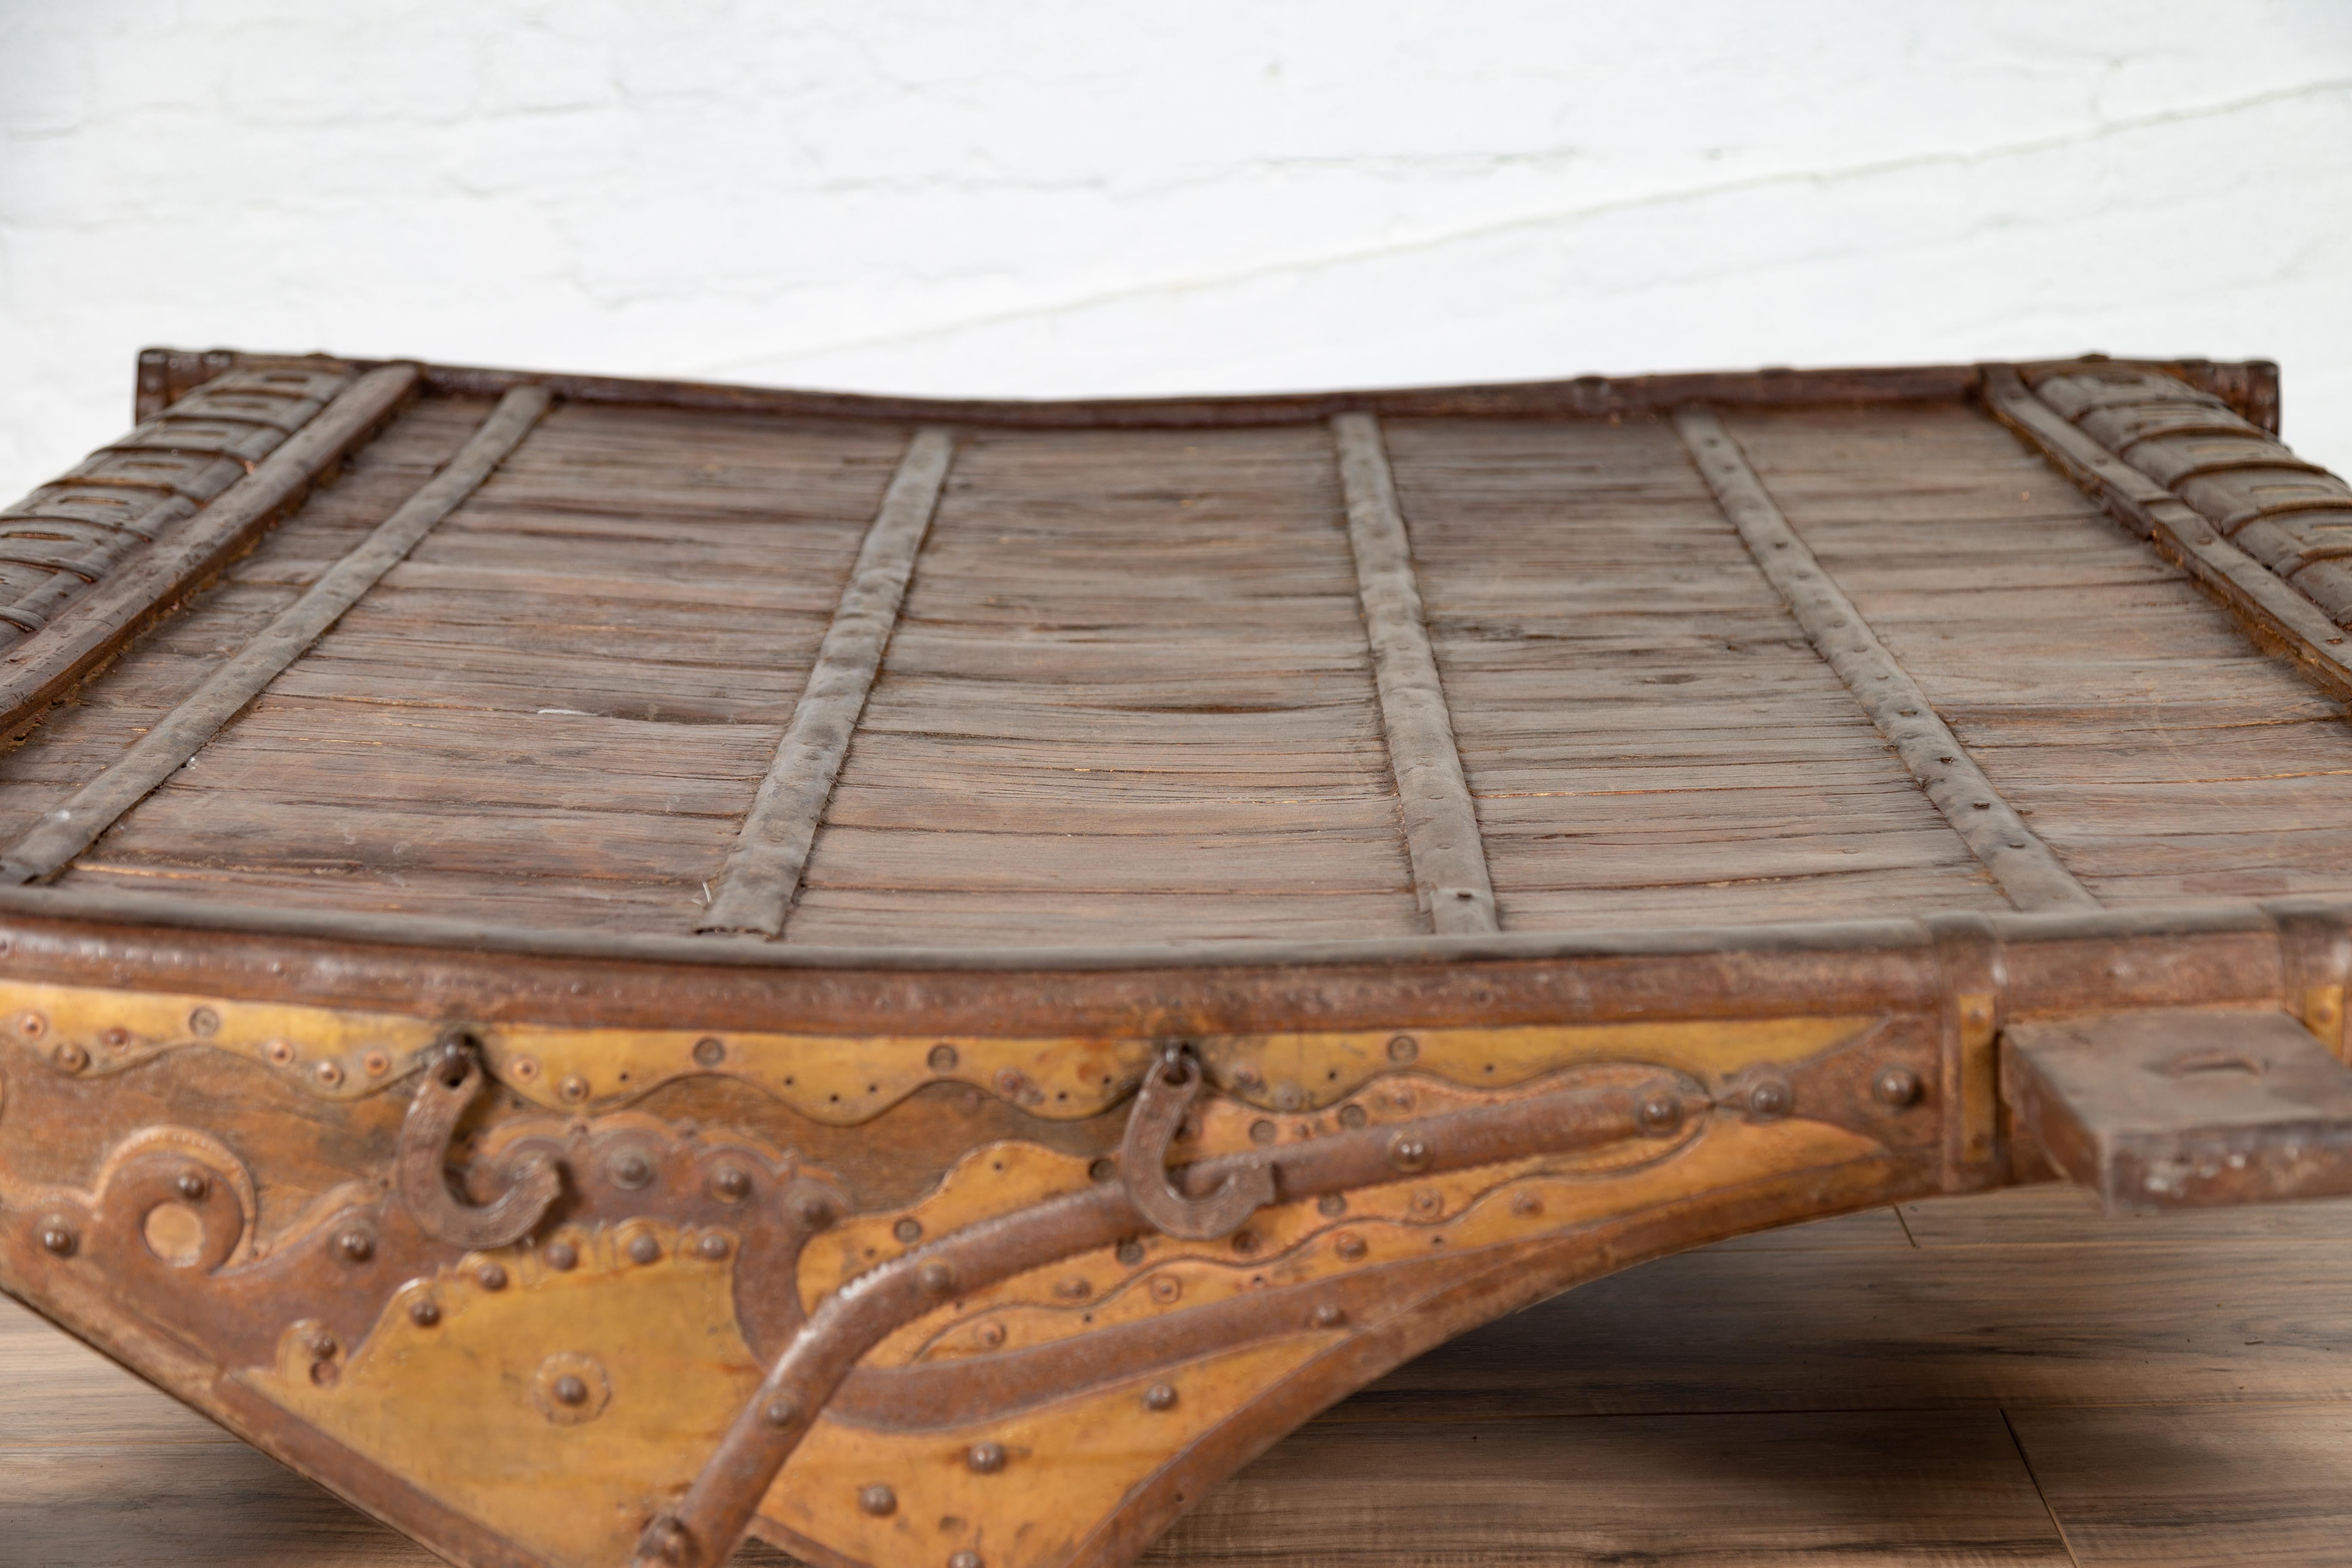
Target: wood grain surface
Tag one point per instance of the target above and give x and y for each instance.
(2000, 1379)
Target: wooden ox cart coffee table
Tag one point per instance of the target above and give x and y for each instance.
(923, 980)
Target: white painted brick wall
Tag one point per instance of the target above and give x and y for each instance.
(1065, 196)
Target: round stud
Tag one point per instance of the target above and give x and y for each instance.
(965, 1559)
(1426, 1203)
(709, 1051)
(319, 1344)
(490, 1277)
(1896, 1086)
(570, 1389)
(354, 1246)
(1660, 1112)
(377, 1064)
(990, 1335)
(644, 1249)
(985, 1458)
(58, 1237)
(732, 1183)
(1166, 1288)
(524, 1070)
(630, 1168)
(192, 1186)
(329, 1074)
(943, 1057)
(1408, 1151)
(878, 1501)
(1245, 1242)
(909, 1231)
(573, 1088)
(1074, 1287)
(114, 1038)
(424, 1313)
(711, 1246)
(1352, 1117)
(204, 1021)
(1288, 1096)
(31, 1025)
(814, 1210)
(1769, 1098)
(1527, 1206)
(936, 1279)
(1403, 1048)
(1262, 1131)
(70, 1058)
(781, 1413)
(562, 1257)
(1130, 1251)
(1349, 1247)
(1331, 1205)
(1160, 1397)
(281, 1052)
(1103, 1169)
(1330, 1315)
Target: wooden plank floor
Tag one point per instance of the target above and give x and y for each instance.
(1999, 1380)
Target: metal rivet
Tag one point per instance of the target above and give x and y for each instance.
(570, 1389)
(1408, 1151)
(985, 1458)
(732, 1183)
(1330, 1315)
(990, 1335)
(57, 1238)
(1660, 1112)
(424, 1312)
(71, 1058)
(1331, 1203)
(644, 1249)
(1076, 1288)
(1245, 1242)
(936, 1279)
(1525, 1204)
(523, 1069)
(279, 1051)
(319, 1344)
(377, 1064)
(1769, 1097)
(115, 1037)
(573, 1088)
(1352, 1117)
(1286, 1097)
(943, 1057)
(709, 1051)
(1104, 1170)
(192, 1186)
(909, 1230)
(490, 1277)
(1262, 1131)
(1895, 1085)
(204, 1021)
(878, 1501)
(562, 1257)
(1130, 1251)
(1246, 1078)
(1351, 1248)
(32, 1025)
(781, 1413)
(1166, 1289)
(965, 1559)
(815, 1211)
(711, 1246)
(329, 1073)
(356, 1246)
(630, 1170)
(1426, 1203)
(1160, 1397)
(1403, 1048)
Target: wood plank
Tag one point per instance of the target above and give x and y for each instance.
(2018, 860)
(2173, 1486)
(1877, 1488)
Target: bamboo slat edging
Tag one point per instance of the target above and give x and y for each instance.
(44, 665)
(1441, 824)
(2272, 605)
(2026, 869)
(51, 844)
(754, 890)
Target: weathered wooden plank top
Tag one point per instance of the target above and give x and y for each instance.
(1586, 658)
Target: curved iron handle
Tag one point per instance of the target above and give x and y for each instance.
(447, 1088)
(1167, 1091)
